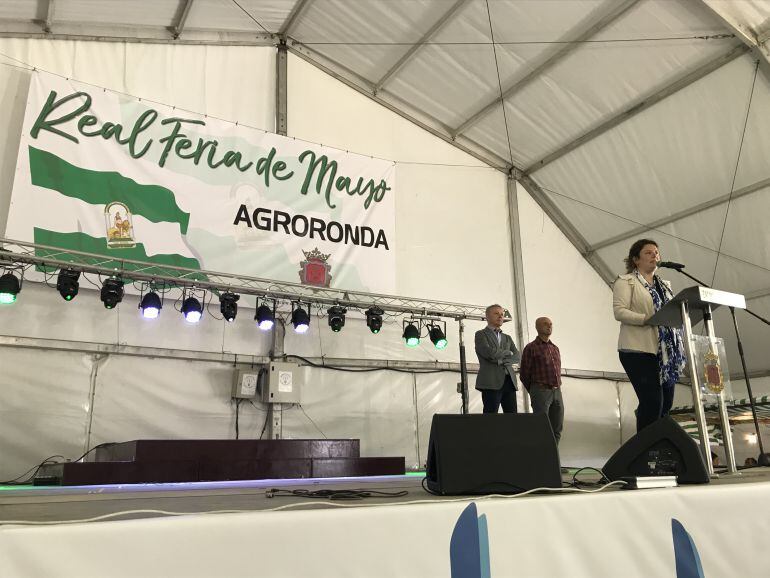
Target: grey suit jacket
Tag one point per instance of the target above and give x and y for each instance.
(495, 359)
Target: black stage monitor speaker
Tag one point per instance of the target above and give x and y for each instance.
(491, 454)
(663, 448)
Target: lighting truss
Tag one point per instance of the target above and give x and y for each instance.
(23, 253)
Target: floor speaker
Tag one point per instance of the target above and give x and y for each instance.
(663, 448)
(491, 454)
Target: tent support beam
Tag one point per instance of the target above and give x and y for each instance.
(635, 232)
(742, 32)
(281, 90)
(437, 26)
(585, 30)
(178, 27)
(641, 104)
(291, 20)
(519, 290)
(254, 39)
(48, 22)
(555, 214)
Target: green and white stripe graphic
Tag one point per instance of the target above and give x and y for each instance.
(72, 215)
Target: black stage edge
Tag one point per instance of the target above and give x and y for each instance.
(169, 461)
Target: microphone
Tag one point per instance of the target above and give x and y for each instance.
(671, 265)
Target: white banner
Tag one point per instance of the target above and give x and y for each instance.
(114, 175)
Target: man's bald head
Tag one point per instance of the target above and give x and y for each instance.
(544, 327)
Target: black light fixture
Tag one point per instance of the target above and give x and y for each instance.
(228, 305)
(411, 334)
(150, 305)
(9, 288)
(374, 319)
(300, 319)
(336, 318)
(112, 292)
(438, 336)
(192, 310)
(67, 283)
(265, 317)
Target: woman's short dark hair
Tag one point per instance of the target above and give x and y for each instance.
(635, 252)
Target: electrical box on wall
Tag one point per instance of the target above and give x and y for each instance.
(283, 383)
(245, 384)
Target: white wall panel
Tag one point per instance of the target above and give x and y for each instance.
(437, 393)
(43, 407)
(376, 407)
(561, 285)
(152, 398)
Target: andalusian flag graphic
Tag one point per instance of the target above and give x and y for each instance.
(111, 175)
(156, 225)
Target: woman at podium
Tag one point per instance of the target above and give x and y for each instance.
(653, 356)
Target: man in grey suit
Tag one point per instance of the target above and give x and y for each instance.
(497, 354)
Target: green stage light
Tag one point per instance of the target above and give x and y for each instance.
(9, 288)
(437, 337)
(411, 335)
(67, 283)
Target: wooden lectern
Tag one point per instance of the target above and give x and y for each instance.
(688, 308)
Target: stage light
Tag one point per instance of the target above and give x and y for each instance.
(264, 317)
(150, 305)
(374, 319)
(437, 337)
(9, 288)
(300, 319)
(336, 318)
(112, 292)
(411, 335)
(192, 310)
(228, 305)
(67, 284)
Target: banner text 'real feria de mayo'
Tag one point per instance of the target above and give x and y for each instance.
(320, 173)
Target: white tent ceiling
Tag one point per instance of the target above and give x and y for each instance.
(622, 118)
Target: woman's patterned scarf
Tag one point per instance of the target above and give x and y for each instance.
(670, 345)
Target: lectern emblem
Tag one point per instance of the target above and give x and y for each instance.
(712, 371)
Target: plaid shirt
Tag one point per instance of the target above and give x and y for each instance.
(541, 364)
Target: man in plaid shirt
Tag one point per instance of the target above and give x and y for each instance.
(540, 372)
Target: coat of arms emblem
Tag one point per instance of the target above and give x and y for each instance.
(315, 269)
(120, 229)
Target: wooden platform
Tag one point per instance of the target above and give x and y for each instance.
(169, 461)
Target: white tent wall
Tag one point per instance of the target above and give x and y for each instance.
(561, 285)
(453, 243)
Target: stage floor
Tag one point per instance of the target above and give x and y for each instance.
(233, 529)
(58, 504)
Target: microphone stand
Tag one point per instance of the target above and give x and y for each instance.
(764, 459)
